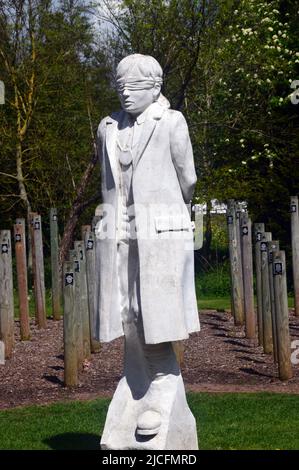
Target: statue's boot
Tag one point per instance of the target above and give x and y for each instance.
(149, 408)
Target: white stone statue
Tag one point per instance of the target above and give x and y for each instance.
(144, 260)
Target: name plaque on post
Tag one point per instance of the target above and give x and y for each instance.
(293, 208)
(69, 279)
(89, 245)
(277, 268)
(4, 248)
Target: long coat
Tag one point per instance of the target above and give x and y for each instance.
(163, 182)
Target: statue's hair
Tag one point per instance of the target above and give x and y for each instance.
(144, 65)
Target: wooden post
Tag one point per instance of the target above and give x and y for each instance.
(6, 294)
(79, 327)
(85, 229)
(21, 221)
(273, 246)
(198, 226)
(259, 229)
(39, 283)
(235, 265)
(79, 247)
(230, 222)
(21, 262)
(295, 249)
(56, 284)
(69, 325)
(282, 316)
(266, 299)
(238, 211)
(2, 353)
(250, 317)
(178, 348)
(89, 244)
(31, 254)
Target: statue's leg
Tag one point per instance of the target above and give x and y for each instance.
(149, 408)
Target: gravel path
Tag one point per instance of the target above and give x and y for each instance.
(216, 359)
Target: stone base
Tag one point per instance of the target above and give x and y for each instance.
(165, 395)
(150, 397)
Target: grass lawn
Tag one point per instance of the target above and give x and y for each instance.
(222, 303)
(204, 303)
(207, 302)
(225, 421)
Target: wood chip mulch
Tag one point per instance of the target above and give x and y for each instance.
(217, 359)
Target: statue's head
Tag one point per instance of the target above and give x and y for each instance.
(139, 80)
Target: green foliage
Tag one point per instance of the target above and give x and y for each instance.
(31, 303)
(213, 283)
(220, 235)
(71, 92)
(229, 66)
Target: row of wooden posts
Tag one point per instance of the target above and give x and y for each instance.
(78, 295)
(35, 239)
(271, 324)
(77, 287)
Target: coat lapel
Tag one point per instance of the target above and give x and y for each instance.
(155, 114)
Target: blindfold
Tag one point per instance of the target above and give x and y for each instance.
(144, 84)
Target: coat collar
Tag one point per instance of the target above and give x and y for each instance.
(149, 119)
(154, 111)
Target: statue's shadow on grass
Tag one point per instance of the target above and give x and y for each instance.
(74, 441)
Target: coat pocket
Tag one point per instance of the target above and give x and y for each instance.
(172, 223)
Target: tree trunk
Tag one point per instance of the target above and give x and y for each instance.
(77, 209)
(24, 197)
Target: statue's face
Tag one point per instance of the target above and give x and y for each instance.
(135, 99)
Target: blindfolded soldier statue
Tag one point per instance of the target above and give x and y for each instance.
(144, 260)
